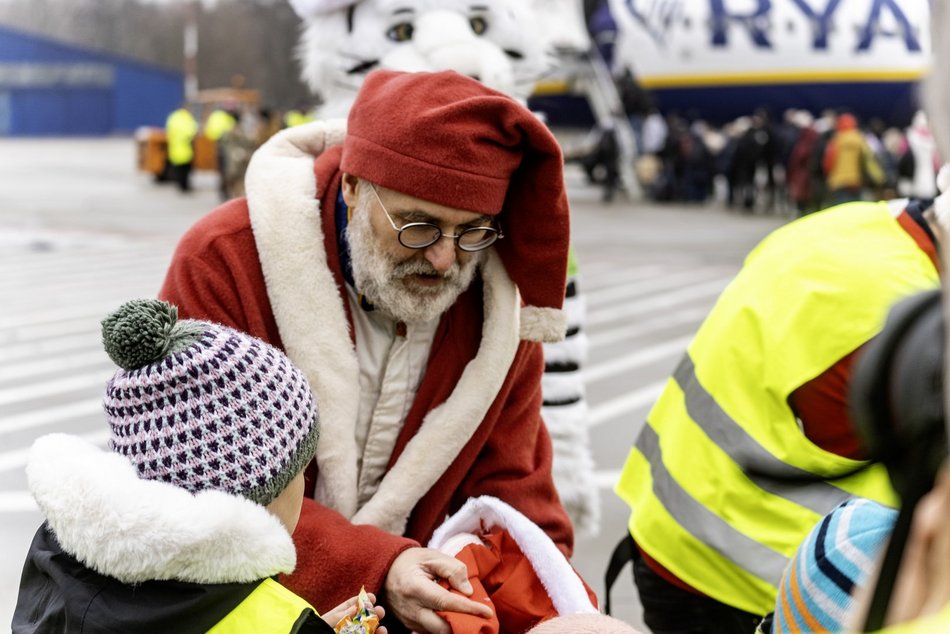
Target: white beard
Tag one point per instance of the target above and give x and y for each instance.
(386, 283)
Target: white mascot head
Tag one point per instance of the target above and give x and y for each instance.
(506, 44)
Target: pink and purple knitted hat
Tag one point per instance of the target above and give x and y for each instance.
(203, 406)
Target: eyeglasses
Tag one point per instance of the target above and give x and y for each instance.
(419, 235)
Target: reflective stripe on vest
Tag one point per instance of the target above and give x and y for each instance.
(270, 608)
(722, 484)
(782, 479)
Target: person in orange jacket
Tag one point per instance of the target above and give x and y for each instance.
(849, 162)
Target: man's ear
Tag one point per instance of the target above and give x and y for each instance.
(349, 186)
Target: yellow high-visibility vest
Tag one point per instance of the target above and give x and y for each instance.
(269, 608)
(180, 131)
(293, 118)
(219, 122)
(722, 484)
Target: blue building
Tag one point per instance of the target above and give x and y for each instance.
(51, 88)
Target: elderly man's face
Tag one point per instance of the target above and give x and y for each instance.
(408, 284)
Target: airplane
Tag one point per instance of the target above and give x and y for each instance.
(721, 59)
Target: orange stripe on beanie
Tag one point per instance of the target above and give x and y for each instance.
(451, 140)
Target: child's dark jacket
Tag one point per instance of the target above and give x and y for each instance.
(120, 554)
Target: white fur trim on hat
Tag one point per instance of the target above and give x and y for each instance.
(942, 202)
(139, 530)
(546, 325)
(563, 585)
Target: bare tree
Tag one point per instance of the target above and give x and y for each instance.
(251, 38)
(147, 32)
(254, 39)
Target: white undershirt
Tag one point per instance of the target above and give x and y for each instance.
(391, 368)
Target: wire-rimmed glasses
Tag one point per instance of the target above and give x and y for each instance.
(419, 235)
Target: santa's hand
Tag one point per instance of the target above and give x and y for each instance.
(414, 594)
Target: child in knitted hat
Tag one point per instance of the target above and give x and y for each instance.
(182, 525)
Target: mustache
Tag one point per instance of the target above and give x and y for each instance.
(423, 267)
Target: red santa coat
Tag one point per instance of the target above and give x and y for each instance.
(269, 265)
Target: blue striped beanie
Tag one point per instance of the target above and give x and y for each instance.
(837, 556)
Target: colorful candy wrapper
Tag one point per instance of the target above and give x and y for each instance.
(365, 621)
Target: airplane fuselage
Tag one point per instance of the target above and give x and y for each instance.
(720, 59)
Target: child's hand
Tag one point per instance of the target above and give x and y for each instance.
(349, 608)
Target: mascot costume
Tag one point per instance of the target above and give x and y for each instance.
(508, 45)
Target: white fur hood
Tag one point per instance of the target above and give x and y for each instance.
(308, 308)
(138, 530)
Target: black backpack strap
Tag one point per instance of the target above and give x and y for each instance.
(623, 553)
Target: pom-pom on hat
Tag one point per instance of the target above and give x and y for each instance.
(203, 406)
(451, 140)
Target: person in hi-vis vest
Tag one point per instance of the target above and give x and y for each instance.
(751, 442)
(221, 122)
(182, 524)
(180, 131)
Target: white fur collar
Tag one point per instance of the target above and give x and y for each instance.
(479, 515)
(285, 217)
(138, 530)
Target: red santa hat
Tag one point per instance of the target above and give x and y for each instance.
(450, 140)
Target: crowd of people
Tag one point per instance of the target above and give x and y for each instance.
(797, 165)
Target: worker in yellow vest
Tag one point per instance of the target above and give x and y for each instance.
(751, 441)
(220, 123)
(185, 521)
(180, 131)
